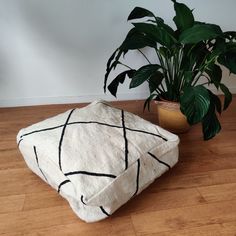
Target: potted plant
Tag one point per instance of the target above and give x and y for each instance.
(188, 60)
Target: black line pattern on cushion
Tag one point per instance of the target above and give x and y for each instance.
(103, 210)
(41, 130)
(61, 139)
(61, 184)
(90, 173)
(137, 177)
(146, 132)
(121, 126)
(82, 199)
(126, 141)
(19, 142)
(94, 122)
(37, 160)
(162, 162)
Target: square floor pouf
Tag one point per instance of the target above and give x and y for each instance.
(97, 157)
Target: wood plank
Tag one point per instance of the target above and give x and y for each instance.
(184, 218)
(12, 203)
(20, 181)
(220, 192)
(28, 221)
(39, 200)
(11, 159)
(12, 234)
(184, 181)
(208, 164)
(227, 229)
(147, 202)
(120, 226)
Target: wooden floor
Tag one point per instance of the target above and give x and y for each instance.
(197, 197)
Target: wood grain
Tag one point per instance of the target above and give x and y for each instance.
(185, 217)
(197, 197)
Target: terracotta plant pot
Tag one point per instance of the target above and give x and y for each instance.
(171, 118)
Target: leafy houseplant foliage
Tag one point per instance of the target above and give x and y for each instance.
(192, 51)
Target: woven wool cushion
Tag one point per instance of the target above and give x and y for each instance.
(97, 157)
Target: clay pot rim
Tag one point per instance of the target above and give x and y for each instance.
(164, 100)
(169, 105)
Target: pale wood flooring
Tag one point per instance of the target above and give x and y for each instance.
(197, 197)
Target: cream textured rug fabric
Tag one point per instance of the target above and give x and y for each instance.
(97, 157)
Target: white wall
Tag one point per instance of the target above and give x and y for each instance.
(55, 51)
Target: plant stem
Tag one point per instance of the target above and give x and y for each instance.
(126, 66)
(158, 90)
(164, 71)
(197, 77)
(144, 56)
(162, 87)
(204, 83)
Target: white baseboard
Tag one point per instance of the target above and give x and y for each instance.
(33, 101)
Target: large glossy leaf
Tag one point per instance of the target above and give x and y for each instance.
(216, 101)
(160, 23)
(199, 32)
(111, 58)
(143, 74)
(139, 12)
(155, 80)
(108, 71)
(136, 40)
(133, 40)
(228, 59)
(228, 96)
(193, 55)
(119, 79)
(194, 103)
(210, 123)
(215, 74)
(184, 18)
(158, 34)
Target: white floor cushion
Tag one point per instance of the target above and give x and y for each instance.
(97, 157)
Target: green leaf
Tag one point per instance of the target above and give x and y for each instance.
(113, 86)
(148, 100)
(155, 80)
(230, 35)
(111, 58)
(188, 77)
(160, 23)
(210, 123)
(158, 34)
(136, 40)
(199, 32)
(215, 74)
(193, 55)
(216, 101)
(143, 74)
(228, 59)
(228, 96)
(108, 71)
(184, 18)
(165, 52)
(139, 12)
(108, 68)
(194, 103)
